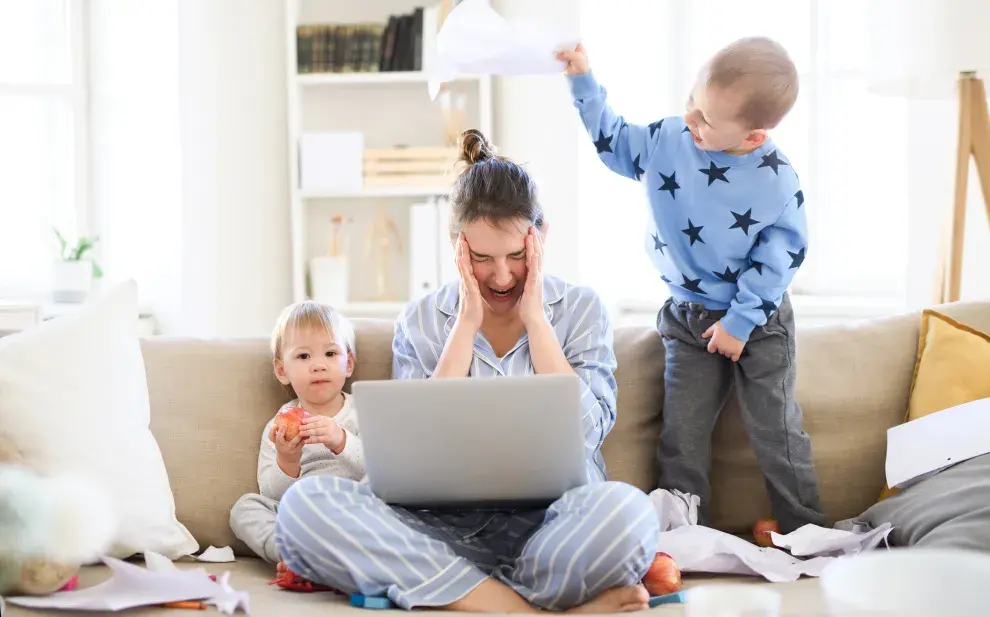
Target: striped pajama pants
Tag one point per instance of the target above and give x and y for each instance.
(336, 532)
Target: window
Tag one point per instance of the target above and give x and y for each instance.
(849, 146)
(43, 139)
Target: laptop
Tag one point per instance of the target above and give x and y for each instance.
(495, 442)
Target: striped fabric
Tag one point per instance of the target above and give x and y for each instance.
(578, 317)
(601, 535)
(334, 531)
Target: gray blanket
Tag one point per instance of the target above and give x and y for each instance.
(949, 509)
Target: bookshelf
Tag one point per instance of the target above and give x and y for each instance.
(390, 109)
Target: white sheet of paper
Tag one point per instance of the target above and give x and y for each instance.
(919, 448)
(703, 549)
(825, 542)
(217, 555)
(132, 586)
(675, 508)
(476, 40)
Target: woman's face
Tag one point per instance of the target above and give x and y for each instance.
(498, 257)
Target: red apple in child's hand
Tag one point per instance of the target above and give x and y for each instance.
(762, 529)
(291, 419)
(663, 576)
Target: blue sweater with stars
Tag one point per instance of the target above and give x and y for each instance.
(727, 232)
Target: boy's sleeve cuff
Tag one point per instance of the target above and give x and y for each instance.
(738, 325)
(583, 86)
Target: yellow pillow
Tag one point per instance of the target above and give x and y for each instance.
(953, 367)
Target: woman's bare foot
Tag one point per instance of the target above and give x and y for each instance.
(616, 600)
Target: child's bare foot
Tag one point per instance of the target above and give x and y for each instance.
(616, 600)
(281, 568)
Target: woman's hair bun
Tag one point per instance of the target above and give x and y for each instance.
(475, 147)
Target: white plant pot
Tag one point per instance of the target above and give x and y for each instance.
(329, 280)
(71, 280)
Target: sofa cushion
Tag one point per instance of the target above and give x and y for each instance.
(211, 401)
(630, 449)
(953, 366)
(74, 400)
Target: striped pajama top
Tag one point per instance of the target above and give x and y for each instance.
(583, 330)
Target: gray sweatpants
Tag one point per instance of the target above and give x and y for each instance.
(697, 385)
(252, 519)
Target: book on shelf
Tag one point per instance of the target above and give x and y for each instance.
(404, 42)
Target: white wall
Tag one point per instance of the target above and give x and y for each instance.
(232, 97)
(135, 157)
(189, 158)
(933, 137)
(536, 125)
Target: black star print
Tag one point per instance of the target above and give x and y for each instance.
(580, 101)
(692, 285)
(728, 276)
(796, 258)
(665, 279)
(759, 240)
(768, 308)
(637, 170)
(658, 244)
(800, 198)
(743, 221)
(655, 127)
(772, 161)
(714, 172)
(693, 232)
(759, 267)
(686, 130)
(604, 144)
(670, 184)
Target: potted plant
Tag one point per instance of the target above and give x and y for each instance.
(73, 273)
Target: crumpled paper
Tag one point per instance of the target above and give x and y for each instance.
(697, 548)
(475, 40)
(132, 586)
(217, 555)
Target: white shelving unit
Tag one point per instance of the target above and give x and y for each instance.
(390, 109)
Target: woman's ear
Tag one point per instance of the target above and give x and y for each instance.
(544, 229)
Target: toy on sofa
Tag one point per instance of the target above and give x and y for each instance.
(49, 527)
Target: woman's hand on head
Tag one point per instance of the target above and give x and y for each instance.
(471, 309)
(531, 303)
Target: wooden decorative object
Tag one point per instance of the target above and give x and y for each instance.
(974, 140)
(408, 167)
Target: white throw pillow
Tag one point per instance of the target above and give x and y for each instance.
(74, 398)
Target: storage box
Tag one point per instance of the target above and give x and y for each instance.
(330, 162)
(409, 167)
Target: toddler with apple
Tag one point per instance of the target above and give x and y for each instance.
(316, 433)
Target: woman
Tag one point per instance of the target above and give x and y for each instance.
(587, 551)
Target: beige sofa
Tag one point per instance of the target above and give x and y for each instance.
(211, 398)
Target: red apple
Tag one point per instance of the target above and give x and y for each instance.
(663, 576)
(762, 529)
(291, 418)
